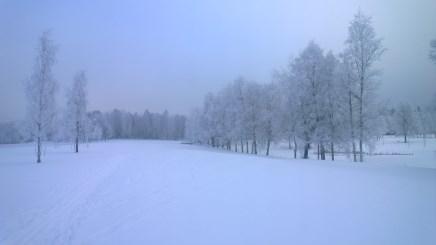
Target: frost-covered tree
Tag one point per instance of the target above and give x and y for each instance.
(209, 120)
(387, 114)
(194, 131)
(348, 82)
(335, 123)
(10, 133)
(252, 117)
(239, 105)
(319, 101)
(308, 71)
(287, 103)
(405, 120)
(433, 50)
(96, 127)
(121, 124)
(423, 124)
(268, 111)
(229, 108)
(238, 115)
(432, 115)
(364, 49)
(77, 108)
(40, 92)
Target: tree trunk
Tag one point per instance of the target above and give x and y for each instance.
(295, 148)
(246, 147)
(322, 152)
(38, 154)
(405, 138)
(350, 104)
(38, 145)
(317, 152)
(254, 144)
(253, 147)
(242, 146)
(77, 137)
(332, 149)
(306, 151)
(77, 144)
(354, 152)
(361, 121)
(267, 147)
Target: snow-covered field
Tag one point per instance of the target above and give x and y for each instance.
(163, 192)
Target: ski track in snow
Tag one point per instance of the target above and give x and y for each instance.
(154, 192)
(66, 210)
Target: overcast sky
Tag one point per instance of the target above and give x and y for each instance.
(160, 55)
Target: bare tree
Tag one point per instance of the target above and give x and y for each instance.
(364, 49)
(40, 92)
(405, 120)
(76, 108)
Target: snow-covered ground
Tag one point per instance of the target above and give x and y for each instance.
(389, 150)
(163, 192)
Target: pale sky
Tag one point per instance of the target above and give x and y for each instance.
(161, 55)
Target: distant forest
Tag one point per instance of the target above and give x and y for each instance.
(116, 124)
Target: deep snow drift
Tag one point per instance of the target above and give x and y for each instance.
(156, 192)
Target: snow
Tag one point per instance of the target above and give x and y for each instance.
(164, 192)
(389, 150)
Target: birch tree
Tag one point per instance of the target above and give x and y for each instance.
(335, 104)
(364, 48)
(423, 122)
(40, 92)
(240, 105)
(405, 120)
(76, 108)
(268, 115)
(251, 113)
(307, 70)
(348, 80)
(287, 96)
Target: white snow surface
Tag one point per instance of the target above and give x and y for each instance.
(164, 192)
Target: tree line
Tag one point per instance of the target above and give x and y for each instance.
(322, 101)
(119, 124)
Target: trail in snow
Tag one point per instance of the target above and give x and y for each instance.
(156, 192)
